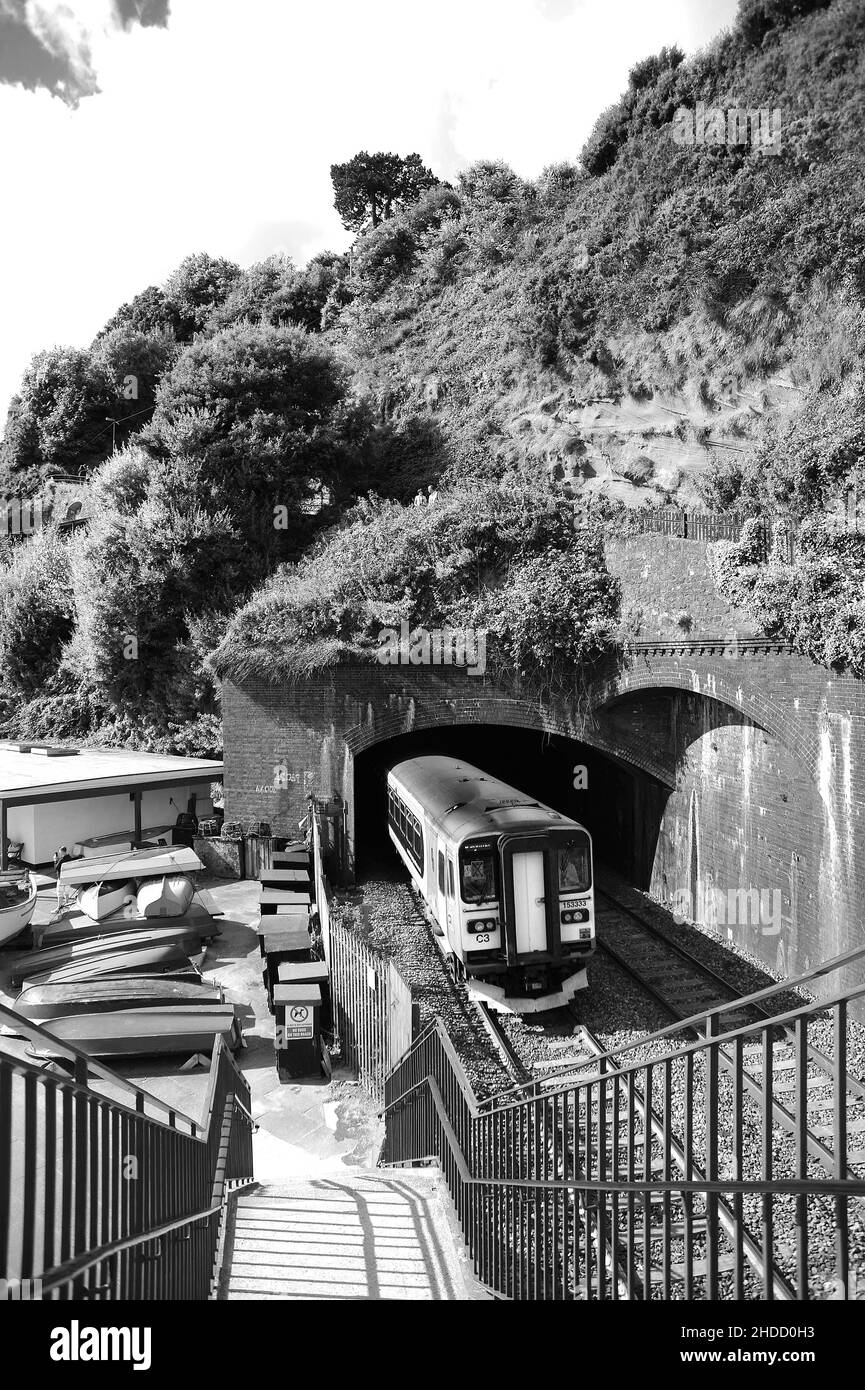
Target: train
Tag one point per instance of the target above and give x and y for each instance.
(506, 881)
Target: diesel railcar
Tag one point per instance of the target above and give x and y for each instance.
(506, 881)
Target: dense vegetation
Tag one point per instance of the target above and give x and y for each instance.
(504, 560)
(464, 341)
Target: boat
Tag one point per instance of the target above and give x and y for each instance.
(103, 900)
(17, 903)
(92, 950)
(143, 1032)
(99, 996)
(136, 864)
(141, 960)
(79, 927)
(168, 896)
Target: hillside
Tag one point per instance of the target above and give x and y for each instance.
(630, 324)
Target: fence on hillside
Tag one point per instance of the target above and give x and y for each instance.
(372, 1004)
(775, 535)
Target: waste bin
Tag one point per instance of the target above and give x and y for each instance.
(298, 1028)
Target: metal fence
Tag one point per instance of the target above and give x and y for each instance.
(372, 1004)
(106, 1192)
(724, 1169)
(774, 535)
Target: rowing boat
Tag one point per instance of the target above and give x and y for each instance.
(79, 927)
(137, 864)
(168, 896)
(17, 903)
(103, 900)
(100, 996)
(143, 1032)
(91, 952)
(142, 960)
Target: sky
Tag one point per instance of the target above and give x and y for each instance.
(136, 132)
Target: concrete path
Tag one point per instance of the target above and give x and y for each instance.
(386, 1235)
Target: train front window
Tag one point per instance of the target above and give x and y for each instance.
(575, 869)
(478, 878)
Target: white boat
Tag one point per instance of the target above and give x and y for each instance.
(17, 903)
(137, 864)
(103, 900)
(166, 897)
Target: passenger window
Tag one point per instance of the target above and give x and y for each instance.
(441, 873)
(450, 880)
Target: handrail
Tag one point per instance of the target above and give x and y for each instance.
(700, 1044)
(733, 1005)
(25, 1027)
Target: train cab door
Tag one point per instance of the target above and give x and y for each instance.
(453, 919)
(530, 909)
(441, 889)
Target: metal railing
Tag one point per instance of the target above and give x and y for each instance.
(105, 1191)
(680, 1175)
(372, 1004)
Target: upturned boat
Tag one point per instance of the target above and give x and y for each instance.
(102, 996)
(93, 953)
(103, 900)
(169, 896)
(143, 1032)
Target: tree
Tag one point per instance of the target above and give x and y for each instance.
(263, 413)
(132, 362)
(370, 187)
(57, 421)
(273, 291)
(195, 288)
(148, 312)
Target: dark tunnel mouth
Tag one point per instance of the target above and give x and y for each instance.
(621, 806)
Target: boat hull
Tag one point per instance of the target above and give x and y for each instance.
(103, 900)
(144, 1032)
(96, 956)
(169, 896)
(110, 994)
(15, 917)
(137, 864)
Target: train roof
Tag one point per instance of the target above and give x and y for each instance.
(462, 800)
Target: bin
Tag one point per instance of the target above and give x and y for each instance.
(298, 1028)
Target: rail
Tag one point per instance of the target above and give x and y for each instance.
(105, 1191)
(662, 1178)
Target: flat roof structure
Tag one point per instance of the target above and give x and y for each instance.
(37, 774)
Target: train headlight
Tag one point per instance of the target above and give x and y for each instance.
(567, 917)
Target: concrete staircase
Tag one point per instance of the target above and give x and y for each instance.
(390, 1234)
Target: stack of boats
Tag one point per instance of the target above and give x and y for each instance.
(119, 974)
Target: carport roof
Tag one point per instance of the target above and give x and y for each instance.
(63, 774)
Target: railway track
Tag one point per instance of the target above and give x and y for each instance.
(778, 1064)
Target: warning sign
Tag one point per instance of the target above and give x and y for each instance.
(298, 1023)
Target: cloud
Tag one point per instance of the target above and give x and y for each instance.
(147, 13)
(44, 47)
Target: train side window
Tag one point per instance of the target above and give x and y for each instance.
(441, 873)
(451, 893)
